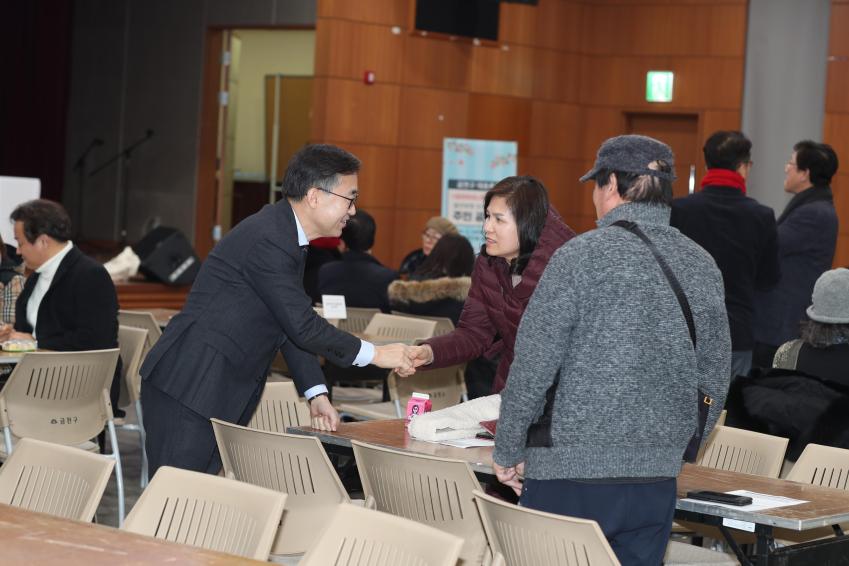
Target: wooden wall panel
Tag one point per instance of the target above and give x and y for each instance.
(436, 64)
(560, 25)
(428, 115)
(557, 76)
(376, 180)
(600, 123)
(839, 40)
(387, 12)
(836, 121)
(419, 179)
(555, 130)
(503, 71)
(500, 118)
(347, 49)
(407, 234)
(518, 24)
(836, 133)
(560, 177)
(700, 82)
(837, 86)
(359, 113)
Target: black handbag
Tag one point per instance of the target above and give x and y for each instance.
(703, 400)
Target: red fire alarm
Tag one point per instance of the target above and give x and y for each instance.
(368, 77)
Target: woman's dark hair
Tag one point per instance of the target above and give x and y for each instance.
(528, 201)
(823, 335)
(42, 216)
(452, 256)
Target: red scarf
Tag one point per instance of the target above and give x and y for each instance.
(724, 178)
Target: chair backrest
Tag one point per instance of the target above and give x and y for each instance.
(279, 408)
(358, 319)
(444, 325)
(60, 397)
(58, 480)
(288, 463)
(356, 536)
(526, 537)
(208, 511)
(446, 386)
(142, 319)
(824, 466)
(427, 489)
(400, 327)
(131, 342)
(743, 451)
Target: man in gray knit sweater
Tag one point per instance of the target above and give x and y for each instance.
(601, 400)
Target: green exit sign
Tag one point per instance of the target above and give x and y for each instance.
(659, 86)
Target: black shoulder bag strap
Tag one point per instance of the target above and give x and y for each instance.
(703, 400)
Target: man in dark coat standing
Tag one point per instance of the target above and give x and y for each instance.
(737, 231)
(359, 276)
(247, 303)
(807, 237)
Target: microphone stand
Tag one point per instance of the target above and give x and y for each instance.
(80, 168)
(124, 155)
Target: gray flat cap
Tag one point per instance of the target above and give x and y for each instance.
(831, 297)
(632, 154)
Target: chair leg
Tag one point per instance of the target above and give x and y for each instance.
(143, 441)
(119, 473)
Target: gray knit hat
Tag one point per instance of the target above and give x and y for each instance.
(632, 154)
(831, 297)
(441, 225)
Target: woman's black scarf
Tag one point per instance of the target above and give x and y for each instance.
(807, 196)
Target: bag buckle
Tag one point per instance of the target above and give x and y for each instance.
(708, 400)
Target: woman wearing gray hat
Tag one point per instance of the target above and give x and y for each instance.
(823, 349)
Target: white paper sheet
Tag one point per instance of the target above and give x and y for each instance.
(468, 442)
(760, 501)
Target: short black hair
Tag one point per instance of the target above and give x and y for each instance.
(358, 233)
(318, 165)
(819, 159)
(42, 216)
(527, 199)
(727, 149)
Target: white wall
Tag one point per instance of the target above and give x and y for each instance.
(784, 92)
(264, 52)
(138, 66)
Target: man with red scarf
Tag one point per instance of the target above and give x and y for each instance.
(737, 231)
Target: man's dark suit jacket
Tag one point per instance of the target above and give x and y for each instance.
(360, 277)
(740, 234)
(79, 310)
(247, 302)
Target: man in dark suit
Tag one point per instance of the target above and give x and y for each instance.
(247, 302)
(737, 231)
(69, 302)
(358, 275)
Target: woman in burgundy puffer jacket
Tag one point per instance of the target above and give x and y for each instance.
(522, 232)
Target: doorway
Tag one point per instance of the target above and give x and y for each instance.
(681, 133)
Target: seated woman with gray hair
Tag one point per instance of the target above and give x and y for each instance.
(823, 348)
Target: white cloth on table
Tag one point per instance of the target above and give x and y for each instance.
(459, 421)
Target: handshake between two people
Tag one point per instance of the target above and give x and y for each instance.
(402, 358)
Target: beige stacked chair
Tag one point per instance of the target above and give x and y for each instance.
(208, 511)
(430, 490)
(739, 450)
(393, 328)
(446, 387)
(357, 320)
(362, 537)
(145, 320)
(131, 342)
(62, 397)
(444, 325)
(525, 537)
(288, 463)
(54, 479)
(280, 408)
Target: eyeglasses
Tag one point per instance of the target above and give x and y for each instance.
(428, 235)
(351, 201)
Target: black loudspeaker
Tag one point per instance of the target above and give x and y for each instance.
(167, 256)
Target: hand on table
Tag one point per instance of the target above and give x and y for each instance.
(322, 413)
(7, 332)
(511, 476)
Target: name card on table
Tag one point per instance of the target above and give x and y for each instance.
(334, 306)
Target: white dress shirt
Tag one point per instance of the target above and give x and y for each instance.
(366, 353)
(46, 273)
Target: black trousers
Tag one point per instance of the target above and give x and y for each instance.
(636, 518)
(179, 437)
